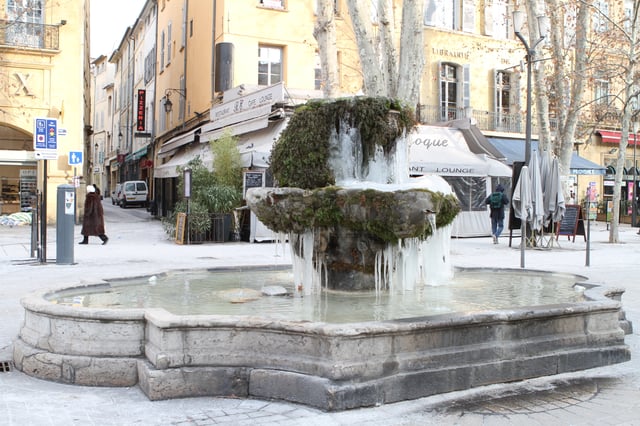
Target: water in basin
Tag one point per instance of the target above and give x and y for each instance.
(240, 293)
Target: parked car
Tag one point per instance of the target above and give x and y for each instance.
(134, 192)
(115, 194)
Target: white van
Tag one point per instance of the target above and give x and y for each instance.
(134, 192)
(115, 194)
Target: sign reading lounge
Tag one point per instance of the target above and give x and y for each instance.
(442, 151)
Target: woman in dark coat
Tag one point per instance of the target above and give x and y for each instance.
(93, 219)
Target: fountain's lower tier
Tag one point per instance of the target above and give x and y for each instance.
(329, 366)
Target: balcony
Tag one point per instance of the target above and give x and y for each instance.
(27, 35)
(485, 120)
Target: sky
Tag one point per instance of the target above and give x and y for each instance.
(109, 20)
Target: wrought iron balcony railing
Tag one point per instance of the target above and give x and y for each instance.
(485, 120)
(26, 34)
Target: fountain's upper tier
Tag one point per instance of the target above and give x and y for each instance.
(386, 215)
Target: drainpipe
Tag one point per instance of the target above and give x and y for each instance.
(213, 52)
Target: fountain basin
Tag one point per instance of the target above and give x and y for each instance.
(328, 366)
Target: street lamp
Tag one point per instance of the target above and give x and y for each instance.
(543, 28)
(634, 200)
(168, 105)
(187, 194)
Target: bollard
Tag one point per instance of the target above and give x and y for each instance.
(65, 221)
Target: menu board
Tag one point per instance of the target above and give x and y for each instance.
(572, 223)
(253, 180)
(181, 221)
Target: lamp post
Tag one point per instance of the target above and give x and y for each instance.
(543, 28)
(187, 194)
(634, 200)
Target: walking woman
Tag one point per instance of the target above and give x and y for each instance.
(93, 219)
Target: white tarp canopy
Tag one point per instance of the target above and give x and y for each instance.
(255, 147)
(444, 151)
(182, 157)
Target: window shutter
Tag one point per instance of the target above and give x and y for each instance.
(468, 16)
(466, 85)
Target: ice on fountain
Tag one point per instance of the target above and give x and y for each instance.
(346, 159)
(400, 267)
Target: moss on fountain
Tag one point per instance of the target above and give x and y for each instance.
(300, 158)
(383, 215)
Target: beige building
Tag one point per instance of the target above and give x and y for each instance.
(45, 74)
(213, 59)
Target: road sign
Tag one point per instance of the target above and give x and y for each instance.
(75, 158)
(46, 154)
(45, 138)
(46, 133)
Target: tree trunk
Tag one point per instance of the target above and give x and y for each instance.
(411, 53)
(325, 34)
(372, 76)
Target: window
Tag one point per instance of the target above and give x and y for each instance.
(27, 28)
(183, 39)
(269, 65)
(601, 91)
(448, 91)
(628, 15)
(600, 16)
(150, 66)
(169, 43)
(496, 20)
(440, 13)
(504, 92)
(162, 51)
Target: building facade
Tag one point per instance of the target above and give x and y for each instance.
(45, 74)
(210, 57)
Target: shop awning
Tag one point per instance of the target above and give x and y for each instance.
(182, 157)
(170, 147)
(10, 157)
(255, 147)
(476, 140)
(513, 150)
(612, 136)
(138, 154)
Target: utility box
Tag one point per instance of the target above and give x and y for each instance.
(65, 224)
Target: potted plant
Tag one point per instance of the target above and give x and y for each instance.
(225, 194)
(214, 194)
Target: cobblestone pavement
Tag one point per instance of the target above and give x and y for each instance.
(603, 396)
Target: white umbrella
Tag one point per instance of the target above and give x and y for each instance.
(557, 206)
(537, 198)
(521, 198)
(545, 177)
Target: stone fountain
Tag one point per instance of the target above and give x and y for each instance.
(354, 218)
(353, 228)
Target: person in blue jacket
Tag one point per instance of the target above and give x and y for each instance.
(496, 201)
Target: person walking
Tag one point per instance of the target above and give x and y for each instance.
(93, 219)
(496, 201)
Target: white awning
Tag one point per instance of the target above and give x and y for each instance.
(182, 157)
(443, 151)
(497, 168)
(255, 147)
(170, 147)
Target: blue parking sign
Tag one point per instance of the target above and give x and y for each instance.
(75, 158)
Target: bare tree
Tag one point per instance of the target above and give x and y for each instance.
(629, 97)
(385, 71)
(325, 34)
(568, 93)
